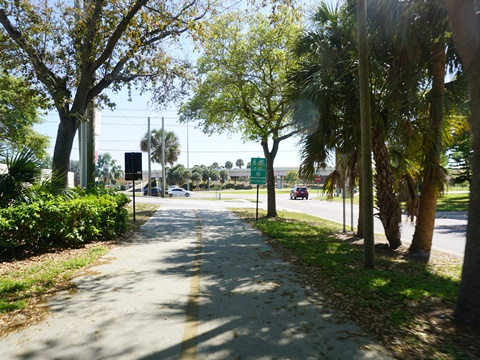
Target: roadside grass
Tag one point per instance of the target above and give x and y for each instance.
(28, 280)
(446, 202)
(405, 302)
(453, 202)
(18, 286)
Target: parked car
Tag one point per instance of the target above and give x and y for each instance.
(299, 192)
(178, 192)
(155, 191)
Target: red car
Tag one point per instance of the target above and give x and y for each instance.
(299, 192)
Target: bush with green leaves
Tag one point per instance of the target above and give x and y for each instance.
(98, 215)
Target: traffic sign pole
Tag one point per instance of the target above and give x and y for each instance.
(258, 187)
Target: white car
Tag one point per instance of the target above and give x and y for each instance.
(178, 192)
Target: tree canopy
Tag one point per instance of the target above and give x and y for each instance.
(19, 111)
(172, 146)
(73, 51)
(242, 76)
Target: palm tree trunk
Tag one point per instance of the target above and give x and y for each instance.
(432, 173)
(388, 205)
(468, 304)
(465, 24)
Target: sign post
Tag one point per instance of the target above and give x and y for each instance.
(133, 171)
(318, 178)
(258, 175)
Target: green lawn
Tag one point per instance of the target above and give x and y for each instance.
(453, 202)
(391, 300)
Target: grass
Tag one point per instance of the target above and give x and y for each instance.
(446, 202)
(34, 279)
(394, 301)
(18, 286)
(453, 202)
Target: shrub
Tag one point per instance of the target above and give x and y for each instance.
(57, 221)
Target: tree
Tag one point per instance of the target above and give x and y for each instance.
(239, 163)
(74, 53)
(242, 80)
(291, 177)
(178, 174)
(172, 146)
(228, 165)
(430, 16)
(23, 170)
(197, 177)
(107, 169)
(19, 112)
(460, 155)
(46, 162)
(465, 25)
(224, 177)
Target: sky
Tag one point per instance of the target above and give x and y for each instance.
(122, 130)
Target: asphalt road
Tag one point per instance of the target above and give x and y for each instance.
(449, 234)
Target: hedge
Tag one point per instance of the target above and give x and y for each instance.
(57, 221)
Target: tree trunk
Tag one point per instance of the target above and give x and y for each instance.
(270, 156)
(465, 24)
(432, 172)
(388, 206)
(468, 304)
(63, 148)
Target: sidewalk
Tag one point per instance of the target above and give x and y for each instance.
(194, 284)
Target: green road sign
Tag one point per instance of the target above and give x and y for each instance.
(258, 171)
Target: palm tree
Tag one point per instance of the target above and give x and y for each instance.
(430, 17)
(23, 170)
(325, 82)
(172, 146)
(107, 169)
(465, 23)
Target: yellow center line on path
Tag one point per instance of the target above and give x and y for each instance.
(190, 331)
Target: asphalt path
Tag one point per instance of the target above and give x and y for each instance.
(195, 283)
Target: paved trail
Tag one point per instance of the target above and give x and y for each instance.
(194, 284)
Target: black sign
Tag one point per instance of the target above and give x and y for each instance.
(133, 166)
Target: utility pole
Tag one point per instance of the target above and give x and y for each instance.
(164, 182)
(149, 147)
(188, 165)
(366, 138)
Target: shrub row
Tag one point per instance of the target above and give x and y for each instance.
(57, 221)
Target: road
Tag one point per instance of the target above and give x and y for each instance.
(449, 234)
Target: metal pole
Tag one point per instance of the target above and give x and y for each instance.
(188, 164)
(343, 199)
(149, 147)
(164, 182)
(83, 154)
(256, 217)
(133, 180)
(351, 207)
